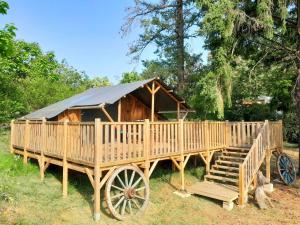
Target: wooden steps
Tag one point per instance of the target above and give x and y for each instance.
(226, 168)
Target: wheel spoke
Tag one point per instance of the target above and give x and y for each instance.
(126, 178)
(123, 207)
(130, 208)
(141, 188)
(116, 187)
(119, 202)
(131, 178)
(116, 196)
(140, 197)
(137, 182)
(121, 181)
(137, 205)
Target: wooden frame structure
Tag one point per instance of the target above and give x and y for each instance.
(98, 148)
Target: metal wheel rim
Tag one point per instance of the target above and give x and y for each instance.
(121, 205)
(286, 169)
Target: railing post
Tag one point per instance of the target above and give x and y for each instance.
(26, 142)
(268, 133)
(227, 133)
(206, 144)
(12, 126)
(65, 163)
(241, 186)
(146, 148)
(281, 136)
(97, 172)
(43, 146)
(181, 148)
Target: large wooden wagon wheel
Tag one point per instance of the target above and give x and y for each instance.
(286, 169)
(127, 192)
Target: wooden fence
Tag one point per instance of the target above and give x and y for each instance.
(122, 142)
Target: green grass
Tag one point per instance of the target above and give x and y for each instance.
(26, 200)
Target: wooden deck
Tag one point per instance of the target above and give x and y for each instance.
(99, 148)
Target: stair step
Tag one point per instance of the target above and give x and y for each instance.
(226, 173)
(231, 158)
(220, 178)
(225, 167)
(243, 149)
(228, 162)
(243, 154)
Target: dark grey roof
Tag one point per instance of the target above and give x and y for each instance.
(91, 97)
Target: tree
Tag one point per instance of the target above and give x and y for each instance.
(266, 31)
(129, 77)
(167, 24)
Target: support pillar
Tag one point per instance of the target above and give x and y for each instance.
(42, 158)
(181, 147)
(26, 142)
(97, 172)
(65, 163)
(147, 148)
(268, 164)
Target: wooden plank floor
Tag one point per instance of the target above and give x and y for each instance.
(213, 190)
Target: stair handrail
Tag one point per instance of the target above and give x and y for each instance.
(252, 162)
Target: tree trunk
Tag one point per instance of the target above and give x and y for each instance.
(180, 45)
(297, 85)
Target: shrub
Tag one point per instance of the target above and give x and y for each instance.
(291, 130)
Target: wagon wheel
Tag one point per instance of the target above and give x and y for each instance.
(286, 169)
(127, 192)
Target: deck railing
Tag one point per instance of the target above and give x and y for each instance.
(269, 137)
(123, 142)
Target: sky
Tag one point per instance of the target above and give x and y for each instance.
(85, 33)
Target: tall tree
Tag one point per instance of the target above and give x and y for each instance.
(266, 31)
(167, 24)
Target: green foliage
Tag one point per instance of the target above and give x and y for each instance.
(291, 129)
(129, 77)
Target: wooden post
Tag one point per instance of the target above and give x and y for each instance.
(206, 144)
(97, 172)
(65, 163)
(227, 133)
(147, 147)
(119, 110)
(181, 148)
(268, 163)
(241, 186)
(26, 142)
(12, 124)
(152, 102)
(281, 136)
(43, 146)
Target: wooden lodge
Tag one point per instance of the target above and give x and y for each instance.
(117, 135)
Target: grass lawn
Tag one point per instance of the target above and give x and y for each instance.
(24, 199)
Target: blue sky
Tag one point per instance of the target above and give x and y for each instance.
(85, 33)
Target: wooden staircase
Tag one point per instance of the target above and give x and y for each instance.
(225, 170)
(236, 167)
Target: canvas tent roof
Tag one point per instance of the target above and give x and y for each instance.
(94, 97)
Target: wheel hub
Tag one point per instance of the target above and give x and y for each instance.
(129, 193)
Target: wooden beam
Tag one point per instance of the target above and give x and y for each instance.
(97, 173)
(175, 163)
(107, 175)
(149, 89)
(186, 160)
(107, 114)
(152, 101)
(202, 157)
(90, 176)
(170, 95)
(153, 167)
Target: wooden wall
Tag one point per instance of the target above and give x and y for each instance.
(72, 115)
(134, 110)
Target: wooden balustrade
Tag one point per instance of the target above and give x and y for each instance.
(242, 134)
(123, 142)
(251, 164)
